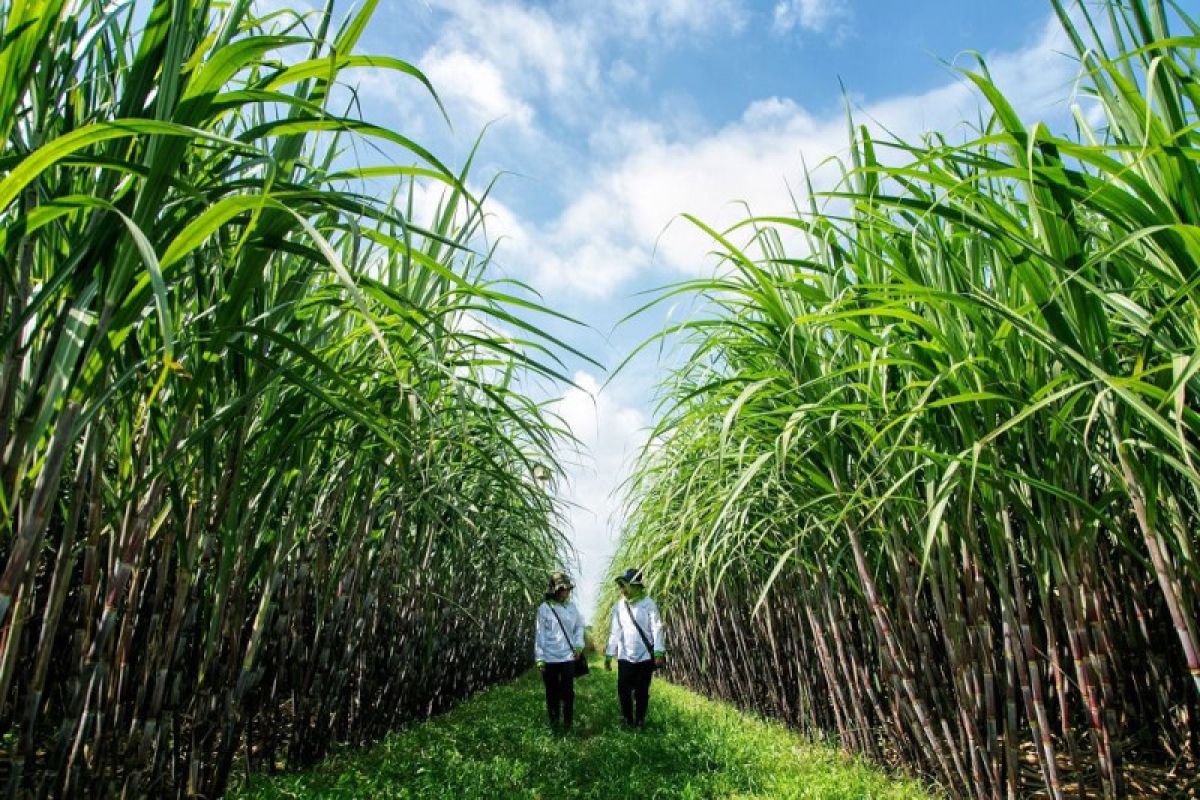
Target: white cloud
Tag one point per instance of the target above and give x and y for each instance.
(621, 72)
(614, 228)
(814, 16)
(654, 19)
(609, 432)
(474, 90)
(566, 255)
(540, 56)
(564, 59)
(492, 60)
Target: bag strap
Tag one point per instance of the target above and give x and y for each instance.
(560, 624)
(641, 633)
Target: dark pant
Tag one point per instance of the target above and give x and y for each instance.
(560, 692)
(633, 689)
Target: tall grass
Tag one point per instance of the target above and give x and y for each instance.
(269, 480)
(929, 481)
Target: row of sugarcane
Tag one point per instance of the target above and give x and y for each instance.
(270, 475)
(928, 479)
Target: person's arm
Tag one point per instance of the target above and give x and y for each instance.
(657, 635)
(577, 639)
(614, 637)
(539, 639)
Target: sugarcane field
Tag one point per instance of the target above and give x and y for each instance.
(674, 399)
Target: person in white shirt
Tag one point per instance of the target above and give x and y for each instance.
(636, 640)
(557, 643)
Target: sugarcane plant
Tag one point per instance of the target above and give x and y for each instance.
(927, 479)
(271, 475)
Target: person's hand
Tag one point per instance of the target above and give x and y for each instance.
(659, 660)
(607, 664)
(541, 665)
(578, 652)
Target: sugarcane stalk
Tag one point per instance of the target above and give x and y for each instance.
(36, 516)
(1163, 569)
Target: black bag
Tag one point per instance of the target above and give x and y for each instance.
(581, 664)
(642, 633)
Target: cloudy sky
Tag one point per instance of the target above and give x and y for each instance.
(607, 119)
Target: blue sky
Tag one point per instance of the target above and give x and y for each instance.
(609, 118)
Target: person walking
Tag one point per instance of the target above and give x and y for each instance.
(636, 640)
(558, 648)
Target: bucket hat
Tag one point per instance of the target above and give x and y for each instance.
(559, 580)
(631, 576)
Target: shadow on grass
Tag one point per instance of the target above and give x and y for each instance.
(498, 745)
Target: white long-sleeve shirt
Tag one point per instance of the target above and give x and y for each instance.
(549, 643)
(624, 641)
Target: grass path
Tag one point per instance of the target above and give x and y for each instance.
(496, 745)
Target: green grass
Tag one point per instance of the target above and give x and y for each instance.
(497, 745)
